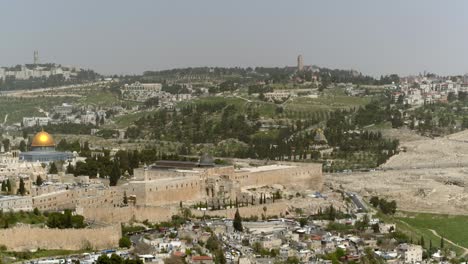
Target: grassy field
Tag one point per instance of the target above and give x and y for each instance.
(451, 227)
(100, 97)
(417, 225)
(17, 108)
(325, 103)
(264, 108)
(124, 121)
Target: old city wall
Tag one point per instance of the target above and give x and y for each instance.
(166, 191)
(126, 214)
(54, 201)
(69, 199)
(223, 170)
(162, 213)
(27, 238)
(154, 174)
(302, 176)
(276, 209)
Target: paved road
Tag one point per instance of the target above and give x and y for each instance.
(355, 198)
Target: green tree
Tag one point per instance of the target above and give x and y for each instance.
(6, 144)
(36, 211)
(465, 122)
(70, 169)
(22, 146)
(103, 259)
(53, 168)
(125, 242)
(213, 244)
(68, 223)
(237, 223)
(8, 186)
(374, 201)
(452, 97)
(303, 221)
(114, 175)
(219, 257)
(376, 228)
(125, 198)
(39, 181)
(21, 189)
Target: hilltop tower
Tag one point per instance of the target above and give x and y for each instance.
(36, 57)
(300, 63)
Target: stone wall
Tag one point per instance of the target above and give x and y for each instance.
(161, 213)
(69, 199)
(126, 214)
(165, 191)
(274, 209)
(308, 176)
(24, 238)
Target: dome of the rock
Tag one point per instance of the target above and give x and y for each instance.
(43, 139)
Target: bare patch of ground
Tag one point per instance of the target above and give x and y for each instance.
(429, 177)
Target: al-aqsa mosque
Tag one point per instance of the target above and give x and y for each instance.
(43, 150)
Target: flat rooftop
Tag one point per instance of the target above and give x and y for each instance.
(12, 197)
(266, 168)
(174, 180)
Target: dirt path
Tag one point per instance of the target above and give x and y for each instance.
(465, 250)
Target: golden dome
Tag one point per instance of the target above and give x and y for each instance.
(43, 139)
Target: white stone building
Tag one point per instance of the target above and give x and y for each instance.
(410, 253)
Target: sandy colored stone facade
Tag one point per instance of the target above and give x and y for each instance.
(23, 238)
(154, 193)
(162, 187)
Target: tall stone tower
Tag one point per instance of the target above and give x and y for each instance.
(300, 63)
(36, 57)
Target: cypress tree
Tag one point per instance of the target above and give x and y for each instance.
(70, 169)
(53, 168)
(39, 181)
(237, 223)
(125, 198)
(22, 189)
(114, 175)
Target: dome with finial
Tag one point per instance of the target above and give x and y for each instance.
(43, 139)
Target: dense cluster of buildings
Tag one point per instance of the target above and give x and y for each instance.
(424, 90)
(67, 113)
(282, 239)
(37, 70)
(141, 92)
(28, 71)
(163, 183)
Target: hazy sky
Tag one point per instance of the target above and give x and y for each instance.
(113, 36)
